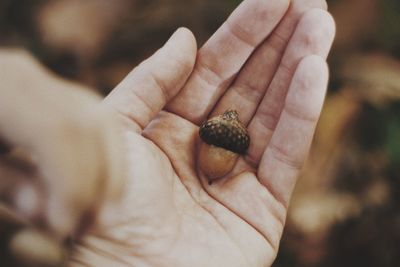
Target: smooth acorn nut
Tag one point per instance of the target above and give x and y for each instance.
(224, 139)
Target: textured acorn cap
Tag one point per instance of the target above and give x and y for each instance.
(226, 131)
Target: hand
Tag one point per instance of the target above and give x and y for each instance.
(268, 62)
(58, 147)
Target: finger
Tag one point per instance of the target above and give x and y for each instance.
(289, 146)
(221, 58)
(30, 247)
(19, 187)
(68, 134)
(145, 91)
(253, 80)
(313, 36)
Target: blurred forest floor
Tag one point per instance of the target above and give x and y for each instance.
(346, 207)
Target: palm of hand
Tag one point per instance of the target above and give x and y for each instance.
(172, 220)
(169, 215)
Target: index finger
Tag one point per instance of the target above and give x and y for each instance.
(224, 54)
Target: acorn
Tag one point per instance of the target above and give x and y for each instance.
(224, 139)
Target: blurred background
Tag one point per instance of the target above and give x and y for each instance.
(346, 208)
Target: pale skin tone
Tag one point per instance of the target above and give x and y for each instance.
(267, 61)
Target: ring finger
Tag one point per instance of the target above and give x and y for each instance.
(256, 76)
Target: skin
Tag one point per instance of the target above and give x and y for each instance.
(267, 61)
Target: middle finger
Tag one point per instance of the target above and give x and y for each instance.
(256, 76)
(224, 54)
(313, 36)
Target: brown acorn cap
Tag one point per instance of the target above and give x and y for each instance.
(226, 131)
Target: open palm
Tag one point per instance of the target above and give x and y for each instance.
(267, 61)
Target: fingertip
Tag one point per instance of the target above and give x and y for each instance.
(313, 35)
(189, 36)
(254, 20)
(304, 5)
(185, 40)
(326, 24)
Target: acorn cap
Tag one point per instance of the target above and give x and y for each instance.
(226, 131)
